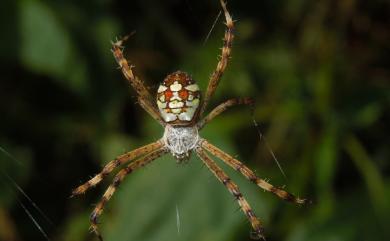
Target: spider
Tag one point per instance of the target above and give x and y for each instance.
(180, 110)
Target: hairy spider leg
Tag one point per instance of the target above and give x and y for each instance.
(143, 161)
(144, 97)
(223, 61)
(115, 163)
(223, 107)
(250, 175)
(235, 191)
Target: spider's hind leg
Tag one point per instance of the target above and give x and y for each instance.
(250, 175)
(109, 167)
(116, 182)
(235, 191)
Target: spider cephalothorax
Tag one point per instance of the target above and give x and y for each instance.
(178, 99)
(181, 140)
(179, 110)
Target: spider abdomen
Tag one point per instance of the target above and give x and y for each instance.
(181, 140)
(178, 99)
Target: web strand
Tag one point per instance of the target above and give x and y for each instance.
(24, 194)
(177, 220)
(17, 187)
(269, 149)
(34, 221)
(212, 28)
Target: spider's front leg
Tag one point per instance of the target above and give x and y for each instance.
(250, 175)
(116, 182)
(144, 97)
(221, 66)
(235, 191)
(116, 163)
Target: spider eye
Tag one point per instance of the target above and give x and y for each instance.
(178, 98)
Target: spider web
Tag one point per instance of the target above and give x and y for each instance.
(269, 149)
(212, 28)
(18, 189)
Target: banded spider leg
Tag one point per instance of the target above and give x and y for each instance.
(223, 61)
(233, 188)
(141, 162)
(250, 175)
(143, 96)
(235, 191)
(223, 107)
(109, 167)
(146, 154)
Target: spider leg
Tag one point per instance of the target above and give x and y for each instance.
(117, 181)
(144, 97)
(115, 163)
(250, 175)
(224, 106)
(233, 189)
(222, 63)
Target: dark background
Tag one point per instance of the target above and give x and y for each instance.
(319, 71)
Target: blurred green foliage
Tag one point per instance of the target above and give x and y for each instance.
(319, 71)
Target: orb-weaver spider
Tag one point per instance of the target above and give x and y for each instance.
(180, 110)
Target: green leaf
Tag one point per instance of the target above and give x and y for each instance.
(46, 46)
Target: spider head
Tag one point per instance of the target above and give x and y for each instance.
(178, 99)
